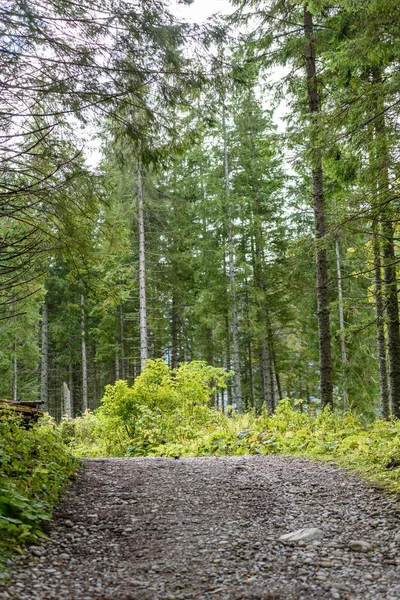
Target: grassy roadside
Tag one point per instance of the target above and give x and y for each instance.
(35, 468)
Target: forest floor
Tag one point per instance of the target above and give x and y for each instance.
(210, 528)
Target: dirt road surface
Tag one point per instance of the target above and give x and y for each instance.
(210, 528)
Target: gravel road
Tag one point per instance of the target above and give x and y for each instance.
(209, 528)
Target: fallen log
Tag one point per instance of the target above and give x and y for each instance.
(28, 410)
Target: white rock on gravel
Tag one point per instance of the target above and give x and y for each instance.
(360, 546)
(301, 535)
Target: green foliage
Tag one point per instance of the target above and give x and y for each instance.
(164, 405)
(35, 466)
(172, 417)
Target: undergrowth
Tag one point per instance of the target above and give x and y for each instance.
(167, 413)
(35, 466)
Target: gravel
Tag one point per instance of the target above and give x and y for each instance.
(210, 528)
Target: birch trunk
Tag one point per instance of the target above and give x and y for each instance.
(142, 273)
(341, 323)
(67, 401)
(380, 324)
(237, 395)
(324, 333)
(84, 357)
(44, 364)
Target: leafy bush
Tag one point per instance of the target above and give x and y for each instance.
(163, 406)
(168, 413)
(35, 466)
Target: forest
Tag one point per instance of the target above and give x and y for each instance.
(243, 212)
(199, 246)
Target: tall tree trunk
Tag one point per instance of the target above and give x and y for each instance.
(71, 387)
(15, 373)
(44, 363)
(266, 384)
(122, 342)
(117, 373)
(142, 273)
(278, 393)
(392, 312)
(232, 276)
(341, 323)
(324, 333)
(15, 358)
(174, 332)
(250, 351)
(94, 390)
(381, 163)
(228, 357)
(265, 374)
(380, 323)
(67, 406)
(85, 403)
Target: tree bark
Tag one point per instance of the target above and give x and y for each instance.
(85, 404)
(67, 408)
(117, 374)
(324, 333)
(380, 324)
(122, 342)
(381, 160)
(174, 332)
(71, 387)
(142, 273)
(232, 276)
(341, 323)
(392, 313)
(44, 364)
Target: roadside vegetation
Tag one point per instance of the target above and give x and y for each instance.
(175, 413)
(170, 413)
(35, 468)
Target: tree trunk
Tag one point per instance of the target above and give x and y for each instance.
(15, 373)
(67, 408)
(71, 387)
(94, 390)
(142, 273)
(380, 324)
(392, 312)
(117, 374)
(228, 358)
(265, 375)
(44, 365)
(387, 217)
(174, 332)
(122, 341)
(237, 397)
(341, 323)
(324, 333)
(85, 403)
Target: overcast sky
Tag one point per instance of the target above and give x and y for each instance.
(200, 10)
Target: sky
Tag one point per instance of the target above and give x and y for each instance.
(197, 12)
(200, 10)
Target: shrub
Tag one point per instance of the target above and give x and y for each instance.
(168, 413)
(35, 466)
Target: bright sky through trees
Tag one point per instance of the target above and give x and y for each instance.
(201, 10)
